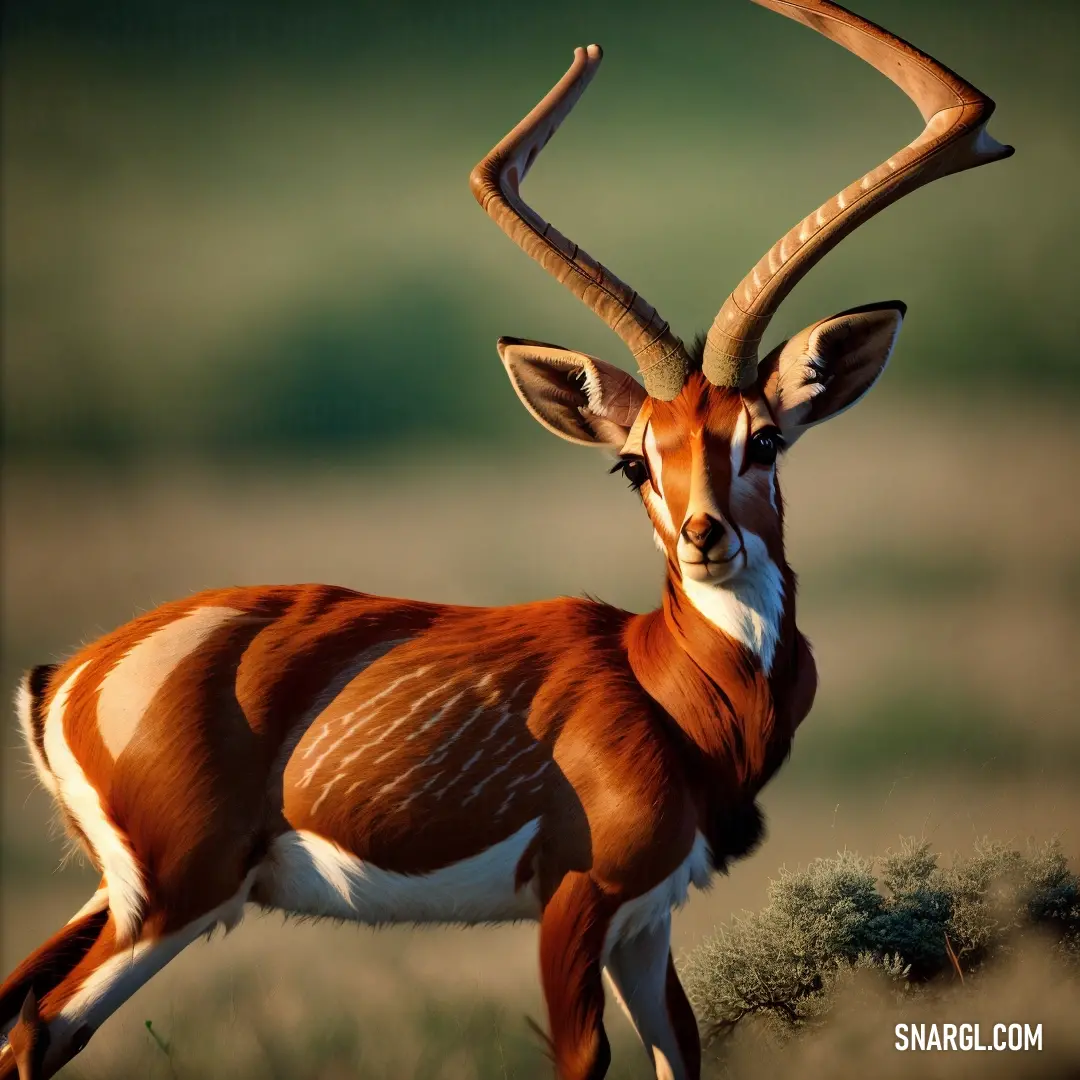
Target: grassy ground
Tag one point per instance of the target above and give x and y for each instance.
(940, 589)
(322, 1001)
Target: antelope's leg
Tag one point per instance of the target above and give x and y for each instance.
(572, 933)
(48, 964)
(97, 986)
(27, 1040)
(108, 973)
(41, 972)
(642, 974)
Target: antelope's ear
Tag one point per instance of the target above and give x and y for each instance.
(827, 367)
(576, 396)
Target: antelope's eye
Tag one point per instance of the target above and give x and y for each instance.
(764, 446)
(634, 469)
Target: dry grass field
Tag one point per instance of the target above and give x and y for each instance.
(940, 589)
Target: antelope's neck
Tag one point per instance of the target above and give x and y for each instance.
(723, 665)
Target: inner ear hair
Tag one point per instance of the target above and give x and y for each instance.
(573, 395)
(827, 367)
(848, 353)
(848, 336)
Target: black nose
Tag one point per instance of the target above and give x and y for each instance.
(702, 531)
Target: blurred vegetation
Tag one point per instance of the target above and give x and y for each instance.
(936, 735)
(244, 229)
(786, 963)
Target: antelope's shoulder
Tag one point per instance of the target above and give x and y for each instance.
(627, 784)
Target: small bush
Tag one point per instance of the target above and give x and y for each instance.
(918, 922)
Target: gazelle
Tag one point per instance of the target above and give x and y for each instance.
(330, 753)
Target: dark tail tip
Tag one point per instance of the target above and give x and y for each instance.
(37, 682)
(37, 679)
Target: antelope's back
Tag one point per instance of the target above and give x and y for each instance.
(158, 740)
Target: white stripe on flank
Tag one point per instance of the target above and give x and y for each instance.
(308, 875)
(504, 714)
(433, 719)
(130, 686)
(393, 726)
(526, 779)
(127, 893)
(327, 788)
(434, 777)
(367, 713)
(464, 769)
(496, 772)
(350, 757)
(356, 666)
(364, 706)
(520, 780)
(397, 780)
(438, 758)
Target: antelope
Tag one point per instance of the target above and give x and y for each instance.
(325, 752)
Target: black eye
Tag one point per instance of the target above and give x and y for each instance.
(634, 469)
(764, 446)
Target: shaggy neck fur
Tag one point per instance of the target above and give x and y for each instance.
(719, 661)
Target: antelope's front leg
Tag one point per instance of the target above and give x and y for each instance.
(572, 934)
(643, 976)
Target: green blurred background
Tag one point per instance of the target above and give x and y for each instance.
(244, 229)
(249, 318)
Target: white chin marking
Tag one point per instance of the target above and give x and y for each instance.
(305, 874)
(748, 607)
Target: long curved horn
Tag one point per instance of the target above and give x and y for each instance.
(954, 139)
(660, 355)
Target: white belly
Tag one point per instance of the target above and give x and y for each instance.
(305, 874)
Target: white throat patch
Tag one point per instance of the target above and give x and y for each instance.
(749, 608)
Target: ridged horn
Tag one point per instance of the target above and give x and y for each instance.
(496, 181)
(954, 139)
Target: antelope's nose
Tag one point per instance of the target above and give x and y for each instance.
(702, 531)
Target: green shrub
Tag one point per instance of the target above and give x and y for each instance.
(918, 922)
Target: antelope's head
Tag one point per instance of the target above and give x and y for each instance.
(698, 437)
